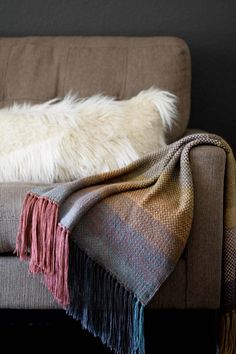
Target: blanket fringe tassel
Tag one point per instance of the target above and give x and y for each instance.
(103, 306)
(228, 333)
(45, 243)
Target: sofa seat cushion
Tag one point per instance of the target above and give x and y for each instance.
(11, 199)
(23, 291)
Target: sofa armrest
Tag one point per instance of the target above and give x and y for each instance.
(204, 248)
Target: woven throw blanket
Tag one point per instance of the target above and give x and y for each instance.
(106, 243)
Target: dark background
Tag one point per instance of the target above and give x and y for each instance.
(208, 26)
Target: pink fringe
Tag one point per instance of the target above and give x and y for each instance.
(46, 243)
(57, 282)
(23, 239)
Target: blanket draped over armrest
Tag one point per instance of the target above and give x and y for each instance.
(106, 243)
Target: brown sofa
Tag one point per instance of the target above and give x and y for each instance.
(39, 68)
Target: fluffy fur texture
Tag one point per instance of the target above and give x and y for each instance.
(73, 138)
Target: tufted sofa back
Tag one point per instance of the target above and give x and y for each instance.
(40, 68)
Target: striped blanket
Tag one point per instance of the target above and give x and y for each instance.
(106, 243)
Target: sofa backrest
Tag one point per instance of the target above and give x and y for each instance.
(40, 68)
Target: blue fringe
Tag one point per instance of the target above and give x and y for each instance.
(103, 306)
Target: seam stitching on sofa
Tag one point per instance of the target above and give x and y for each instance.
(122, 93)
(65, 70)
(5, 90)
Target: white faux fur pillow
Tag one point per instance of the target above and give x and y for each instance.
(74, 138)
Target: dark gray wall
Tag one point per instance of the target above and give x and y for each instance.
(208, 26)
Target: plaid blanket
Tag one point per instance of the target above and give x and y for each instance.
(106, 243)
